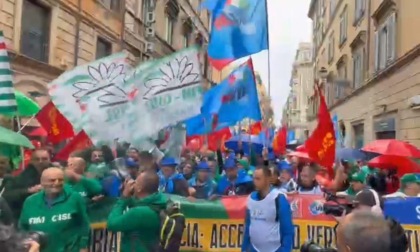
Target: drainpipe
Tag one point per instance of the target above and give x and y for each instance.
(78, 21)
(368, 37)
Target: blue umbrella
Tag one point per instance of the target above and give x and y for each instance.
(255, 143)
(350, 154)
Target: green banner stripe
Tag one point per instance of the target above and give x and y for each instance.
(8, 110)
(6, 84)
(198, 209)
(4, 59)
(6, 72)
(7, 96)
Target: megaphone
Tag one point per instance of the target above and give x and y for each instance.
(119, 168)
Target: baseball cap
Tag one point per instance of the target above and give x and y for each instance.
(358, 177)
(409, 178)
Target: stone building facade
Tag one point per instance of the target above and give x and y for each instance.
(301, 88)
(372, 57)
(47, 37)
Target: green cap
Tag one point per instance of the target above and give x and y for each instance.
(358, 177)
(409, 178)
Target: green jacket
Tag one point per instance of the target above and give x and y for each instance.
(86, 187)
(140, 224)
(16, 191)
(65, 221)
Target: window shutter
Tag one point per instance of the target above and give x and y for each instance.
(392, 34)
(376, 51)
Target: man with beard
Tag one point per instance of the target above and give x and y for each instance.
(59, 212)
(28, 182)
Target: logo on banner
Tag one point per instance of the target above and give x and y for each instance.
(296, 208)
(316, 208)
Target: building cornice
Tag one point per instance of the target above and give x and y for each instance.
(311, 8)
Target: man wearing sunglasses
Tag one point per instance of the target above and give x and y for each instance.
(28, 182)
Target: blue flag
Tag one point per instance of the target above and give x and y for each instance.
(233, 100)
(239, 29)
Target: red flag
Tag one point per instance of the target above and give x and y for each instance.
(79, 142)
(255, 129)
(54, 123)
(219, 137)
(320, 146)
(215, 138)
(279, 141)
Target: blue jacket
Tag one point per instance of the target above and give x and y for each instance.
(285, 222)
(242, 183)
(205, 191)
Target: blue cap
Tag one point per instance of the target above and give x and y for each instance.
(203, 166)
(230, 163)
(283, 165)
(131, 163)
(168, 161)
(271, 156)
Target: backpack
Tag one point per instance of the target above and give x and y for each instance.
(172, 226)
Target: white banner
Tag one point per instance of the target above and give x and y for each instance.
(102, 79)
(169, 92)
(103, 123)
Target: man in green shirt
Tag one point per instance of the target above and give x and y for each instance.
(86, 187)
(59, 212)
(410, 187)
(140, 224)
(357, 183)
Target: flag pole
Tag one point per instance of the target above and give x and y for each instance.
(268, 50)
(21, 127)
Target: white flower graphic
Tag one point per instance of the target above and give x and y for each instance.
(105, 80)
(175, 74)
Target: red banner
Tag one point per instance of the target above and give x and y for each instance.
(79, 142)
(55, 124)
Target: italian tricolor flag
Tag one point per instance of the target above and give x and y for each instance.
(8, 104)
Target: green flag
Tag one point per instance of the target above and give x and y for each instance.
(8, 104)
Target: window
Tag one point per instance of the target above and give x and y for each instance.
(35, 40)
(169, 28)
(343, 27)
(359, 132)
(111, 4)
(385, 43)
(186, 40)
(359, 10)
(145, 10)
(331, 48)
(358, 68)
(342, 76)
(103, 48)
(333, 6)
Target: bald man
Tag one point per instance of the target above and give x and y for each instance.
(74, 176)
(59, 212)
(365, 226)
(139, 225)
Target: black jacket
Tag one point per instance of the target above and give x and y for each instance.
(16, 191)
(6, 215)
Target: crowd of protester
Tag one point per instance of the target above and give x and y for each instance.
(93, 174)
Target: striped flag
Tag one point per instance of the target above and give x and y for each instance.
(8, 104)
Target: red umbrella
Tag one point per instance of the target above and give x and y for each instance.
(39, 132)
(393, 147)
(404, 165)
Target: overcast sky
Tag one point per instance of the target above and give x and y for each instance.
(289, 25)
